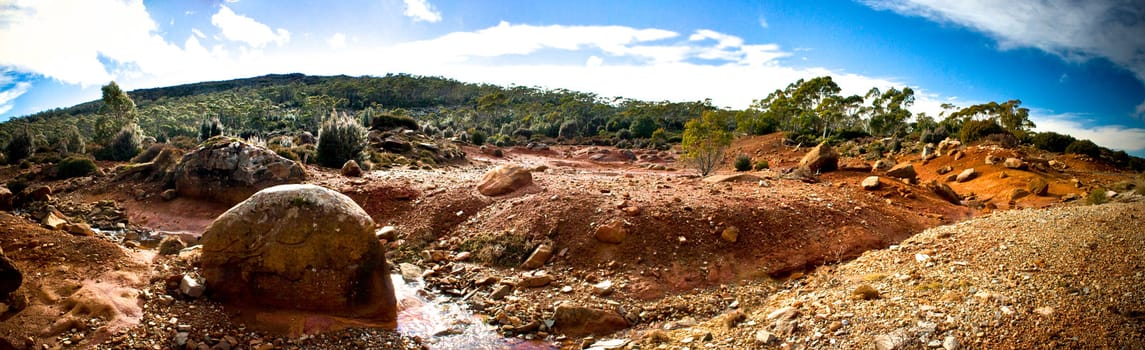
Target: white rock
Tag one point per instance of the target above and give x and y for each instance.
(191, 286)
(920, 257)
(950, 343)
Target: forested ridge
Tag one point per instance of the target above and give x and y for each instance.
(809, 111)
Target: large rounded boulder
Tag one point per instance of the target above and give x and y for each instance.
(504, 179)
(299, 247)
(228, 170)
(820, 159)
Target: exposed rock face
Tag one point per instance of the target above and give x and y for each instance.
(504, 179)
(902, 171)
(579, 321)
(299, 247)
(870, 183)
(820, 159)
(10, 277)
(228, 171)
(351, 169)
(947, 145)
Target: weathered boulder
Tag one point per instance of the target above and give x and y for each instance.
(36, 194)
(300, 247)
(947, 145)
(992, 159)
(943, 191)
(870, 183)
(820, 159)
(10, 277)
(883, 165)
(1038, 186)
(1014, 163)
(1016, 194)
(944, 170)
(577, 321)
(613, 232)
(966, 175)
(505, 179)
(902, 171)
(351, 169)
(730, 234)
(229, 170)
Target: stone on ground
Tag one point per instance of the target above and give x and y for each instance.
(870, 183)
(1014, 163)
(351, 169)
(300, 247)
(578, 321)
(228, 171)
(820, 159)
(613, 232)
(902, 171)
(966, 175)
(1038, 186)
(730, 234)
(539, 257)
(10, 277)
(944, 191)
(505, 179)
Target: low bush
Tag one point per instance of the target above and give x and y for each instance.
(478, 137)
(742, 162)
(1085, 147)
(75, 167)
(389, 121)
(761, 164)
(1096, 196)
(125, 145)
(975, 130)
(1052, 141)
(19, 147)
(340, 139)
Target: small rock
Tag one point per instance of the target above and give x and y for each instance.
(539, 257)
(865, 292)
(54, 220)
(902, 171)
(950, 343)
(944, 170)
(410, 272)
(764, 337)
(870, 183)
(966, 175)
(79, 229)
(613, 232)
(1014, 163)
(536, 280)
(1038, 186)
(351, 169)
(501, 292)
(1044, 311)
(388, 233)
(169, 194)
(191, 286)
(730, 234)
(603, 288)
(171, 245)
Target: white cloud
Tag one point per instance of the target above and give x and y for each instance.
(241, 28)
(421, 11)
(1119, 137)
(198, 33)
(9, 94)
(594, 61)
(1074, 30)
(337, 41)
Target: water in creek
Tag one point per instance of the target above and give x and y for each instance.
(444, 323)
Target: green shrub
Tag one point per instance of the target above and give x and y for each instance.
(974, 130)
(743, 162)
(761, 165)
(210, 128)
(19, 147)
(125, 145)
(388, 121)
(73, 142)
(75, 167)
(1096, 196)
(478, 137)
(1052, 141)
(1085, 147)
(340, 139)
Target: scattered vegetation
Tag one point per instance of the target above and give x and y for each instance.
(1084, 147)
(705, 140)
(761, 165)
(75, 167)
(389, 121)
(503, 250)
(340, 139)
(1096, 196)
(743, 162)
(126, 144)
(19, 147)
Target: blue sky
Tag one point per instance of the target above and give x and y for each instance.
(1079, 66)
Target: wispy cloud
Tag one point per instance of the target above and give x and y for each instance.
(244, 29)
(10, 89)
(1073, 30)
(421, 11)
